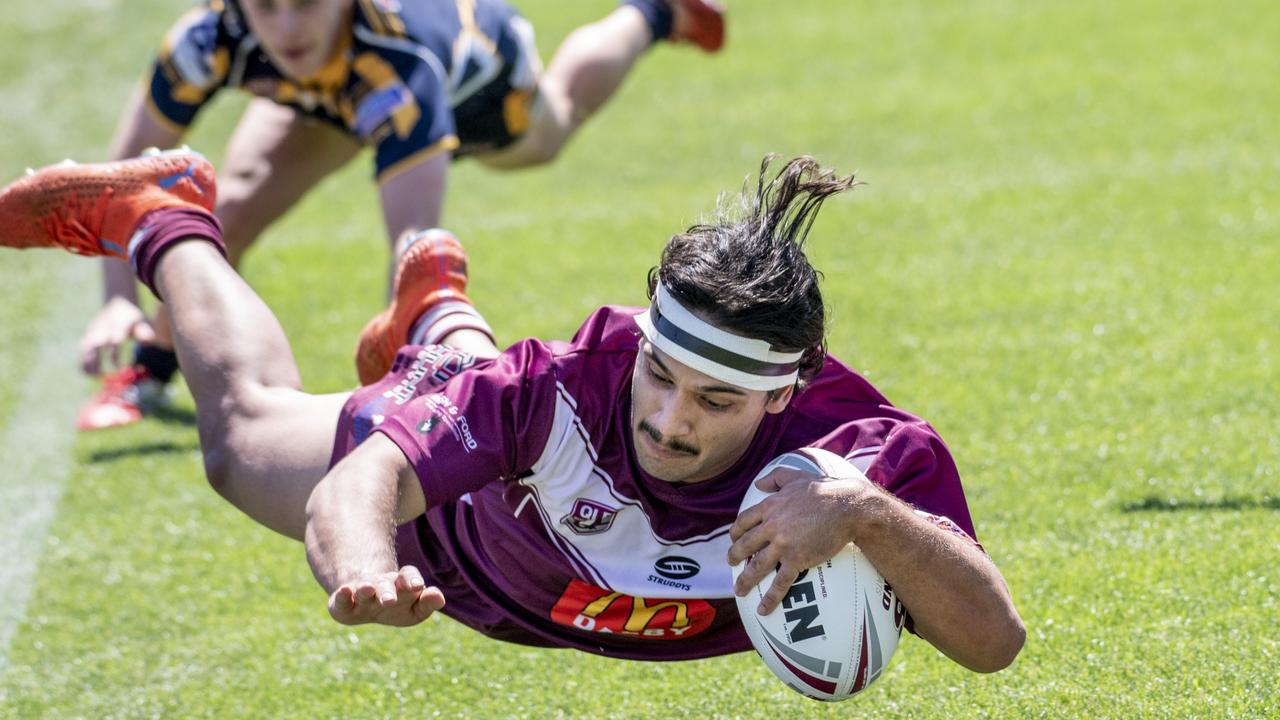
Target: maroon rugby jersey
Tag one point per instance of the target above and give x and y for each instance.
(543, 529)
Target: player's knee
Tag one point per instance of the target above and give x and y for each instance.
(537, 147)
(220, 428)
(546, 151)
(552, 120)
(218, 466)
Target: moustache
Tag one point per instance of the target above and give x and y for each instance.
(676, 445)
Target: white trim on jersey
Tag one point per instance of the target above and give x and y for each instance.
(405, 46)
(623, 557)
(235, 77)
(863, 457)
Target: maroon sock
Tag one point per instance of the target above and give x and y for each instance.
(160, 230)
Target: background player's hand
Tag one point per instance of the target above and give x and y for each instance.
(115, 324)
(805, 521)
(398, 598)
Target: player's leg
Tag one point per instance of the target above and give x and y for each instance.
(591, 63)
(273, 158)
(266, 444)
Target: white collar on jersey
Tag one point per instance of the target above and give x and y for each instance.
(745, 362)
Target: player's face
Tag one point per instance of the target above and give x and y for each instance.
(686, 425)
(299, 36)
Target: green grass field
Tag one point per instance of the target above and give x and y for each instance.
(1066, 257)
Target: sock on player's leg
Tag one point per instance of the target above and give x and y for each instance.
(445, 318)
(161, 363)
(657, 15)
(157, 232)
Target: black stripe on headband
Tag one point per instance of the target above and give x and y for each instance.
(715, 353)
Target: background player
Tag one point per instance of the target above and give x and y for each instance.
(535, 488)
(420, 82)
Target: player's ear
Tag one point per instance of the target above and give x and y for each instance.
(776, 400)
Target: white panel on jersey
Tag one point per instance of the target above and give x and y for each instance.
(607, 535)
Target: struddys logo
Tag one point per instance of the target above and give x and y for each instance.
(594, 609)
(671, 569)
(589, 517)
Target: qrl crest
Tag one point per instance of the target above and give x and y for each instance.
(589, 517)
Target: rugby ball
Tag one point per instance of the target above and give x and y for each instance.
(840, 622)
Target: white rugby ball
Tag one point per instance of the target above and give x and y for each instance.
(840, 622)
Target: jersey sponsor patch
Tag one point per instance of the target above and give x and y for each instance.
(589, 517)
(367, 417)
(594, 609)
(433, 363)
(378, 107)
(445, 412)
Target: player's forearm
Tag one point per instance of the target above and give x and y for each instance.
(955, 594)
(350, 524)
(118, 282)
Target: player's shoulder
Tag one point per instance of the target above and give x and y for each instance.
(395, 22)
(601, 352)
(379, 18)
(206, 24)
(611, 328)
(837, 382)
(838, 403)
(198, 45)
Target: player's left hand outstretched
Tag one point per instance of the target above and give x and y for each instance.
(805, 521)
(398, 598)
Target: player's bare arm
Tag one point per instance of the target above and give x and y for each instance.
(955, 594)
(413, 197)
(351, 520)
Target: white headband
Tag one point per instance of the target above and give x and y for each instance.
(745, 362)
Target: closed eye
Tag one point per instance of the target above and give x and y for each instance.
(715, 404)
(656, 375)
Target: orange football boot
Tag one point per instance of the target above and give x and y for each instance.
(432, 269)
(700, 22)
(93, 209)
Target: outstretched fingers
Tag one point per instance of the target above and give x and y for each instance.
(399, 598)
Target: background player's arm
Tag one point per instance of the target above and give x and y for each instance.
(120, 318)
(957, 597)
(413, 197)
(351, 519)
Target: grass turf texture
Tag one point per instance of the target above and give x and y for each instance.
(1065, 258)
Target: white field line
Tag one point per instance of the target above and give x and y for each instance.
(36, 445)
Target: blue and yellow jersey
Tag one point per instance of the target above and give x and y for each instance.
(409, 78)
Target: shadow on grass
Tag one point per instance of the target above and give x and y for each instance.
(174, 416)
(1175, 504)
(155, 448)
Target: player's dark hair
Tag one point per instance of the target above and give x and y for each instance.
(747, 272)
